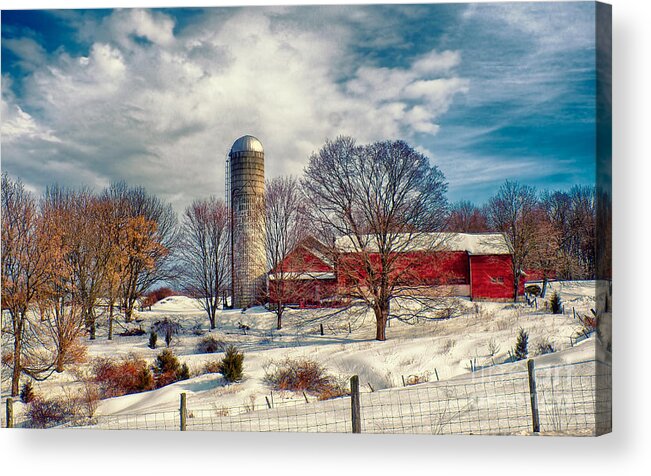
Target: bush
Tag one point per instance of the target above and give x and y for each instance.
(521, 346)
(153, 338)
(168, 328)
(210, 345)
(134, 331)
(27, 392)
(168, 369)
(303, 375)
(212, 367)
(130, 375)
(231, 367)
(156, 295)
(545, 347)
(48, 413)
(184, 372)
(555, 303)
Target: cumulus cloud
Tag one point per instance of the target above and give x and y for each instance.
(161, 108)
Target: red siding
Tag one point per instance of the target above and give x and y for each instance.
(416, 268)
(491, 277)
(304, 292)
(303, 260)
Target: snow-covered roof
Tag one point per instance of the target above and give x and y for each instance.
(473, 243)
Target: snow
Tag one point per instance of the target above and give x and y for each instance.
(424, 350)
(473, 243)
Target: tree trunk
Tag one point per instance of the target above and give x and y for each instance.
(17, 370)
(59, 362)
(110, 322)
(279, 313)
(91, 327)
(381, 318)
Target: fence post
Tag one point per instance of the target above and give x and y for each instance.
(535, 419)
(355, 406)
(10, 412)
(184, 412)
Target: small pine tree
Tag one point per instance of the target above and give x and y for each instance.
(166, 362)
(231, 366)
(521, 346)
(27, 392)
(555, 303)
(153, 338)
(183, 372)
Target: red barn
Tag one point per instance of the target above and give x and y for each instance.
(473, 265)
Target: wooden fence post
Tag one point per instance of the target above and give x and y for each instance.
(10, 413)
(355, 406)
(535, 419)
(184, 412)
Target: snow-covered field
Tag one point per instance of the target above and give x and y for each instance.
(438, 352)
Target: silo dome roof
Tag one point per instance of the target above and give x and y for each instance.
(247, 144)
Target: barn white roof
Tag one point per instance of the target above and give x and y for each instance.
(473, 243)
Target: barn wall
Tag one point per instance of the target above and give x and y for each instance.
(491, 277)
(303, 260)
(411, 269)
(304, 292)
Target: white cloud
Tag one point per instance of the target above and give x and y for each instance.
(164, 112)
(30, 53)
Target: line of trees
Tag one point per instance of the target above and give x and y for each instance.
(553, 232)
(67, 259)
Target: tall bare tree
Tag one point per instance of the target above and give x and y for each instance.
(60, 303)
(512, 210)
(286, 226)
(26, 269)
(204, 251)
(377, 200)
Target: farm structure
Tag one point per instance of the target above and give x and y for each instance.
(473, 265)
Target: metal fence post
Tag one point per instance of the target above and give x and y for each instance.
(10, 412)
(355, 404)
(535, 419)
(183, 412)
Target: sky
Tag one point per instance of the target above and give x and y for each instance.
(156, 97)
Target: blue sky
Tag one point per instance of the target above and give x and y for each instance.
(156, 97)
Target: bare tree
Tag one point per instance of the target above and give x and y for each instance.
(513, 211)
(26, 269)
(135, 203)
(60, 301)
(377, 200)
(204, 252)
(573, 217)
(286, 227)
(466, 217)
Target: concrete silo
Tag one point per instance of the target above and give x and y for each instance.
(245, 175)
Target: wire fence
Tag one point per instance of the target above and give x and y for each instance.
(564, 399)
